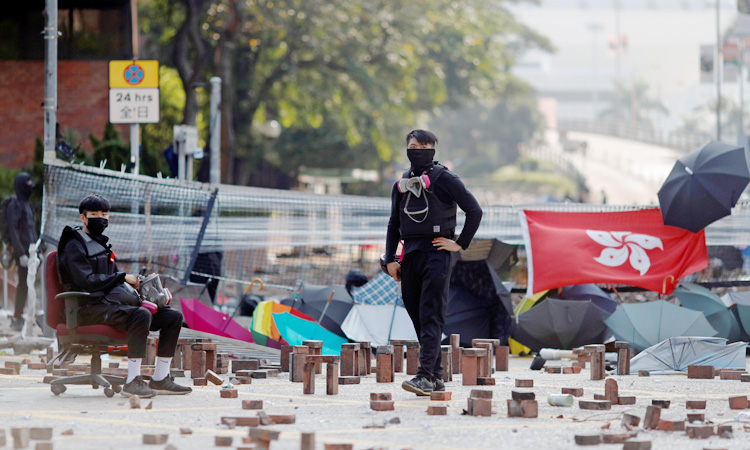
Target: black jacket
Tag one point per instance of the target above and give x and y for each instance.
(19, 217)
(80, 271)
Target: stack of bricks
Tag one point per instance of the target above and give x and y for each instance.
(316, 348)
(479, 403)
(385, 364)
(623, 357)
(611, 394)
(202, 359)
(365, 358)
(382, 401)
(350, 363)
(297, 363)
(398, 354)
(222, 363)
(471, 360)
(262, 438)
(596, 353)
(446, 360)
(412, 357)
(523, 404)
(332, 373)
(286, 351)
(485, 361)
(11, 368)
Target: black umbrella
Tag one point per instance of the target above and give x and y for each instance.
(703, 186)
(313, 299)
(561, 324)
(479, 306)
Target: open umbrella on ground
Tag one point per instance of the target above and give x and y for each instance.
(561, 324)
(294, 330)
(204, 318)
(698, 298)
(498, 254)
(590, 292)
(378, 324)
(479, 305)
(740, 307)
(648, 323)
(675, 354)
(313, 300)
(703, 186)
(264, 328)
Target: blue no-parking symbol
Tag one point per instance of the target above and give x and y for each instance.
(133, 74)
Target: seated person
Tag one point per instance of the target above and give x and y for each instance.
(87, 263)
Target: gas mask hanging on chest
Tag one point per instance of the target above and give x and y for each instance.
(415, 186)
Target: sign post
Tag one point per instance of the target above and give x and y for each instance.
(134, 99)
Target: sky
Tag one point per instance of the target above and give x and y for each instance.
(663, 42)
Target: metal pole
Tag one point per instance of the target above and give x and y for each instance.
(741, 119)
(215, 173)
(50, 80)
(201, 233)
(719, 67)
(135, 129)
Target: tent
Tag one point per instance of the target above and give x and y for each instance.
(313, 299)
(479, 306)
(675, 354)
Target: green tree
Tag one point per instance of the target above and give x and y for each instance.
(365, 69)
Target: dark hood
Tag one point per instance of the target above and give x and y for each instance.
(20, 184)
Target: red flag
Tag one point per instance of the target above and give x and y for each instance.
(631, 247)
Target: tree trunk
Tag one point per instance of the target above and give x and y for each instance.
(190, 67)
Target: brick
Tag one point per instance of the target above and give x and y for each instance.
(385, 364)
(203, 346)
(575, 392)
(651, 420)
(695, 404)
(381, 396)
(213, 377)
(442, 396)
(699, 431)
(40, 434)
(286, 353)
(485, 381)
(601, 397)
(576, 369)
(9, 371)
(297, 363)
(307, 441)
(308, 382)
(229, 422)
(524, 383)
(241, 421)
(283, 419)
(3, 438)
(554, 369)
(200, 382)
(49, 378)
(243, 380)
(701, 372)
(724, 431)
(455, 341)
(135, 402)
(731, 375)
(470, 365)
(263, 418)
(588, 439)
(350, 359)
(228, 393)
(446, 360)
(381, 405)
(186, 430)
(322, 359)
(263, 434)
(252, 404)
(43, 446)
(349, 380)
(249, 364)
(595, 404)
(661, 403)
(479, 406)
(36, 366)
(644, 373)
(332, 379)
(412, 357)
(502, 355)
(616, 438)
(523, 408)
(398, 354)
(611, 390)
(13, 365)
(480, 393)
(628, 400)
(68, 432)
(316, 347)
(738, 402)
(21, 437)
(671, 425)
(696, 417)
(223, 441)
(155, 439)
(636, 445)
(338, 446)
(522, 395)
(436, 410)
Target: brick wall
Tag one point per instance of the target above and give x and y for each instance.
(82, 105)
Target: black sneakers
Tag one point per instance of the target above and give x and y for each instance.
(167, 386)
(419, 385)
(439, 385)
(137, 387)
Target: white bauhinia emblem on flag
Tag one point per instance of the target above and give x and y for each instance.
(623, 244)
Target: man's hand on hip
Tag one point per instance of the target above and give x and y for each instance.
(394, 270)
(446, 244)
(23, 261)
(133, 280)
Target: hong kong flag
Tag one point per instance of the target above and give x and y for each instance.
(631, 247)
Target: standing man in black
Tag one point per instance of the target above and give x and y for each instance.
(87, 263)
(21, 229)
(423, 214)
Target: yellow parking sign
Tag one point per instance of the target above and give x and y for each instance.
(134, 74)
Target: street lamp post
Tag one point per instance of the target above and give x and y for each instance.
(595, 28)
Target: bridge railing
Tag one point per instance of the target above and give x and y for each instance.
(682, 141)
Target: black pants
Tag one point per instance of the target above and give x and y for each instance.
(22, 290)
(137, 322)
(425, 278)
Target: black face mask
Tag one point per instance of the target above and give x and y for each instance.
(97, 225)
(420, 158)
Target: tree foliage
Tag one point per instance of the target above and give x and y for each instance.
(358, 73)
(633, 102)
